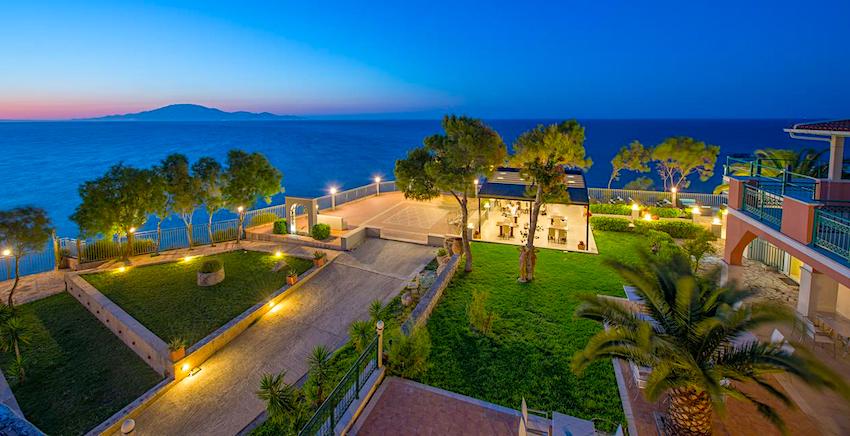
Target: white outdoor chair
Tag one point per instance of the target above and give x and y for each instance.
(818, 337)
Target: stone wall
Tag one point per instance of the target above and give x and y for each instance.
(152, 349)
(353, 238)
(429, 300)
(7, 397)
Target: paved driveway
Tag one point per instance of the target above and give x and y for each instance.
(221, 399)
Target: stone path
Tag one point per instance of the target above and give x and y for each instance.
(221, 399)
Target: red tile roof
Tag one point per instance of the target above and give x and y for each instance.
(832, 126)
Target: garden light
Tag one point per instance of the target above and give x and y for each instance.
(122, 269)
(647, 217)
(333, 190)
(278, 253)
(635, 206)
(695, 210)
(716, 221)
(475, 181)
(185, 367)
(240, 209)
(132, 230)
(674, 190)
(271, 303)
(7, 252)
(377, 180)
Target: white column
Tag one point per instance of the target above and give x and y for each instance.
(836, 157)
(818, 292)
(731, 273)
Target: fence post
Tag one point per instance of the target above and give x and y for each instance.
(56, 254)
(79, 252)
(380, 327)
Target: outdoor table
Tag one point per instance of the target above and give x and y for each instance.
(509, 225)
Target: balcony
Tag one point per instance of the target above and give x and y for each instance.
(810, 210)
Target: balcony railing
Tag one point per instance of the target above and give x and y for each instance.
(773, 178)
(832, 231)
(763, 205)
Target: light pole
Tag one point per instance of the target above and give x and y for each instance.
(377, 186)
(379, 326)
(333, 198)
(241, 211)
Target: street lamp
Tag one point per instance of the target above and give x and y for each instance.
(673, 192)
(241, 211)
(377, 185)
(333, 197)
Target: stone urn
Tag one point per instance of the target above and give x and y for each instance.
(211, 273)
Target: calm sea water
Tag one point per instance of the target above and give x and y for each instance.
(42, 163)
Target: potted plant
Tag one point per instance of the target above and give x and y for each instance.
(291, 277)
(211, 273)
(319, 258)
(177, 347)
(442, 256)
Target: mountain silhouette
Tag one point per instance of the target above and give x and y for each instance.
(192, 112)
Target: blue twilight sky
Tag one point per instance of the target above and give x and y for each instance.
(588, 59)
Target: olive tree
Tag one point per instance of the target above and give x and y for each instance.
(635, 158)
(210, 176)
(541, 154)
(248, 176)
(182, 188)
(117, 203)
(680, 156)
(451, 162)
(23, 230)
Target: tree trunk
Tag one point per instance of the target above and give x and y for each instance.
(239, 228)
(129, 250)
(611, 180)
(467, 248)
(17, 279)
(528, 257)
(17, 350)
(188, 223)
(689, 412)
(158, 235)
(209, 229)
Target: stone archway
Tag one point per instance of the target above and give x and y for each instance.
(738, 236)
(296, 206)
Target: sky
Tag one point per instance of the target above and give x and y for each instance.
(410, 59)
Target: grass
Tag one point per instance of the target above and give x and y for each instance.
(78, 373)
(529, 350)
(166, 298)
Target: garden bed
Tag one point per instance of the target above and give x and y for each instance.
(529, 350)
(167, 300)
(78, 372)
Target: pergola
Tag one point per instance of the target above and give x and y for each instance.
(508, 184)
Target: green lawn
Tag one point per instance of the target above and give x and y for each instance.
(78, 372)
(166, 298)
(529, 351)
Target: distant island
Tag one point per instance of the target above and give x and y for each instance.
(192, 112)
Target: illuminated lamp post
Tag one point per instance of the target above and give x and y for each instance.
(673, 192)
(377, 186)
(333, 198)
(241, 211)
(7, 253)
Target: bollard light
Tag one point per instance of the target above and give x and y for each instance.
(647, 217)
(635, 206)
(716, 221)
(695, 210)
(674, 190)
(7, 252)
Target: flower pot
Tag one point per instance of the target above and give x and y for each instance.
(442, 260)
(291, 280)
(178, 354)
(210, 279)
(320, 261)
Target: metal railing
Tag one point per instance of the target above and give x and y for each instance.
(327, 416)
(763, 205)
(766, 253)
(325, 201)
(34, 263)
(604, 195)
(831, 232)
(773, 177)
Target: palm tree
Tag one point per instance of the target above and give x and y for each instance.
(361, 332)
(686, 332)
(13, 333)
(774, 160)
(376, 311)
(319, 373)
(280, 397)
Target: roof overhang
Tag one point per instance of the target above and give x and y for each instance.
(820, 130)
(508, 184)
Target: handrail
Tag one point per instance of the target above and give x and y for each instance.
(831, 232)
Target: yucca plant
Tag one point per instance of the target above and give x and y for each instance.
(13, 333)
(376, 311)
(686, 334)
(281, 398)
(318, 383)
(361, 333)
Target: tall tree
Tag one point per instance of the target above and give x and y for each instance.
(635, 158)
(182, 188)
(450, 162)
(23, 230)
(160, 205)
(680, 156)
(248, 176)
(687, 331)
(116, 204)
(210, 178)
(542, 154)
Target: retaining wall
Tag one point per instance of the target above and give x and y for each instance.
(353, 238)
(426, 304)
(7, 397)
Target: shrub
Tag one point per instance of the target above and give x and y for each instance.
(262, 218)
(676, 229)
(408, 355)
(441, 252)
(668, 212)
(320, 232)
(319, 254)
(211, 266)
(279, 227)
(480, 318)
(610, 224)
(611, 209)
(698, 247)
(361, 333)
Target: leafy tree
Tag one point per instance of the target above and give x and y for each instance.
(680, 156)
(248, 176)
(408, 355)
(450, 162)
(686, 332)
(698, 247)
(24, 230)
(635, 157)
(183, 189)
(160, 206)
(361, 333)
(13, 333)
(640, 184)
(117, 203)
(210, 176)
(282, 399)
(319, 374)
(541, 155)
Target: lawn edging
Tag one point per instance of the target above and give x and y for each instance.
(152, 349)
(206, 347)
(423, 309)
(113, 424)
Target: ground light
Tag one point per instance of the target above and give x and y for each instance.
(635, 206)
(716, 221)
(122, 269)
(647, 217)
(278, 253)
(695, 210)
(7, 252)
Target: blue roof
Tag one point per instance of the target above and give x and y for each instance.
(507, 183)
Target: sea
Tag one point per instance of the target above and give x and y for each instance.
(43, 163)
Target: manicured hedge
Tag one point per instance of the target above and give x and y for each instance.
(676, 229)
(280, 227)
(611, 209)
(320, 232)
(668, 212)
